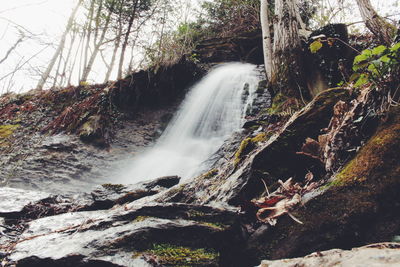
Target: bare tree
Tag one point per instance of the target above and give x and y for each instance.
(283, 53)
(60, 47)
(72, 67)
(60, 58)
(375, 23)
(267, 38)
(116, 44)
(13, 47)
(67, 59)
(99, 43)
(132, 16)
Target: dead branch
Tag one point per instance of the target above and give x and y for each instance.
(12, 48)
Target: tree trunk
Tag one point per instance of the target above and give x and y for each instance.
(46, 74)
(64, 72)
(267, 38)
(96, 50)
(126, 39)
(89, 32)
(376, 24)
(72, 67)
(58, 68)
(117, 43)
(283, 55)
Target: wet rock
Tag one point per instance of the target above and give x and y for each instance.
(14, 200)
(107, 195)
(95, 131)
(384, 254)
(59, 142)
(125, 236)
(19, 206)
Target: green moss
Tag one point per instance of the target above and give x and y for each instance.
(141, 218)
(113, 187)
(175, 190)
(259, 138)
(245, 147)
(209, 174)
(358, 169)
(172, 255)
(216, 225)
(193, 214)
(5, 132)
(283, 105)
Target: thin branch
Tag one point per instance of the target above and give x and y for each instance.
(17, 68)
(12, 48)
(363, 21)
(104, 60)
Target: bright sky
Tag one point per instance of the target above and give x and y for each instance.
(47, 20)
(44, 18)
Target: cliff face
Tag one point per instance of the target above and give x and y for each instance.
(246, 47)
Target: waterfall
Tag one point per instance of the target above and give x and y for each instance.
(213, 109)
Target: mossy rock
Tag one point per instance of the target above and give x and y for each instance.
(173, 255)
(6, 132)
(277, 159)
(283, 105)
(210, 174)
(306, 123)
(360, 206)
(94, 131)
(247, 145)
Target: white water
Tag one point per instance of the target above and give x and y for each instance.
(213, 109)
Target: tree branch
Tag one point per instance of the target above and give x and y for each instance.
(12, 48)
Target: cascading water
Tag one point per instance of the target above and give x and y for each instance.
(213, 109)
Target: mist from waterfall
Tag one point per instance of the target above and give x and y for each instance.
(213, 109)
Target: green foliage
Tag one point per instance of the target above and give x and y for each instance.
(315, 46)
(374, 65)
(172, 255)
(173, 45)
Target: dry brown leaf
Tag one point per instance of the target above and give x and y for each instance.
(270, 214)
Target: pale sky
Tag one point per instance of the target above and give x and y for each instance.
(47, 20)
